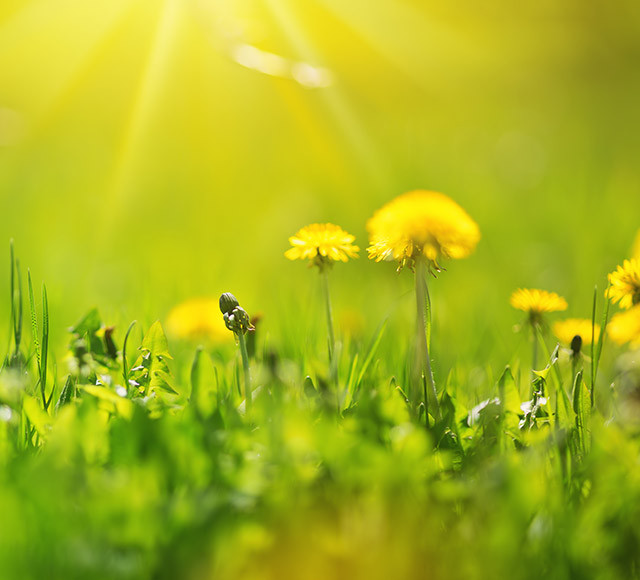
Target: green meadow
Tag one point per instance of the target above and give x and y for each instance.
(155, 154)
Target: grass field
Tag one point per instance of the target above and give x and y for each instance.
(155, 154)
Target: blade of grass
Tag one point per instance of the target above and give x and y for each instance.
(125, 368)
(34, 320)
(560, 392)
(377, 337)
(12, 311)
(595, 361)
(593, 341)
(67, 394)
(351, 380)
(44, 346)
(195, 377)
(54, 387)
(582, 409)
(19, 321)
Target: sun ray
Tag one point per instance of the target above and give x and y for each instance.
(40, 85)
(142, 105)
(334, 99)
(379, 26)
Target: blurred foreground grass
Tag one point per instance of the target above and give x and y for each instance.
(135, 464)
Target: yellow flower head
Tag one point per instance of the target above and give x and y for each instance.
(625, 284)
(625, 327)
(198, 320)
(567, 329)
(421, 222)
(322, 244)
(536, 302)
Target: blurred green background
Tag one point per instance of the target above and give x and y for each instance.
(155, 150)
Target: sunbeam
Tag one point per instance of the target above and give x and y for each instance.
(41, 65)
(143, 103)
(334, 98)
(408, 51)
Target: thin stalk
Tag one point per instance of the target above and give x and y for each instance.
(325, 286)
(595, 360)
(247, 374)
(534, 354)
(423, 328)
(593, 344)
(574, 367)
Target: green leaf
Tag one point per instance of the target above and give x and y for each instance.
(123, 406)
(87, 328)
(151, 371)
(90, 323)
(155, 341)
(67, 394)
(125, 369)
(309, 388)
(36, 415)
(508, 392)
(161, 378)
(582, 409)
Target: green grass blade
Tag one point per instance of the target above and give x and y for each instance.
(44, 346)
(67, 394)
(18, 302)
(377, 337)
(593, 341)
(582, 409)
(195, 376)
(12, 284)
(427, 315)
(601, 338)
(34, 320)
(125, 368)
(351, 381)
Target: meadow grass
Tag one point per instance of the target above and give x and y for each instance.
(147, 462)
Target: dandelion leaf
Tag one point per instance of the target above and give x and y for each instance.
(151, 371)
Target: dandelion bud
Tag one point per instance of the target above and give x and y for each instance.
(228, 302)
(576, 345)
(235, 318)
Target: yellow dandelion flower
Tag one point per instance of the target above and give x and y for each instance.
(421, 223)
(625, 284)
(567, 329)
(198, 320)
(625, 327)
(322, 244)
(536, 302)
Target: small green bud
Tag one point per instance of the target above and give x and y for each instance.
(576, 345)
(228, 302)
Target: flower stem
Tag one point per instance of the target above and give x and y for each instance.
(332, 340)
(247, 374)
(534, 354)
(422, 343)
